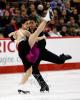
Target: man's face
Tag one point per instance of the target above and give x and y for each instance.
(32, 24)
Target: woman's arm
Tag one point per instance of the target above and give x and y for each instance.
(12, 33)
(26, 33)
(13, 36)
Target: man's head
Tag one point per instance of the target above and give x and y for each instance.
(32, 23)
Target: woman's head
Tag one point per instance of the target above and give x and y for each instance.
(64, 29)
(25, 24)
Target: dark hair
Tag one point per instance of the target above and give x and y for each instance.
(24, 20)
(32, 18)
(13, 18)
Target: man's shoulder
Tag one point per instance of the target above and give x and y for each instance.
(41, 34)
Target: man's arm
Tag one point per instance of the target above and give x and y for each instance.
(41, 38)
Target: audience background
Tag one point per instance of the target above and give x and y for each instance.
(66, 20)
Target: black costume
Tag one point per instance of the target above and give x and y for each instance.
(24, 49)
(46, 55)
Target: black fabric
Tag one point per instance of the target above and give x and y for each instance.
(51, 57)
(42, 43)
(12, 38)
(40, 80)
(45, 55)
(23, 50)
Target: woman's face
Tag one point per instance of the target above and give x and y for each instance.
(75, 12)
(64, 12)
(64, 28)
(7, 13)
(25, 25)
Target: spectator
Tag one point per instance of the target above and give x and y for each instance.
(66, 13)
(1, 35)
(72, 24)
(2, 4)
(40, 9)
(68, 7)
(78, 31)
(53, 32)
(11, 27)
(33, 13)
(1, 25)
(75, 14)
(64, 31)
(61, 24)
(72, 31)
(79, 21)
(31, 9)
(17, 16)
(6, 18)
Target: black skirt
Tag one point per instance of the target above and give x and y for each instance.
(23, 50)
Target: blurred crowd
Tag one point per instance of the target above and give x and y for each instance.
(66, 21)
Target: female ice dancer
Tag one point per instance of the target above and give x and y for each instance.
(28, 49)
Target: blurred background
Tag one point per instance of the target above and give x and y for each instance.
(66, 20)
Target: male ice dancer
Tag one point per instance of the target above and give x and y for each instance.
(45, 55)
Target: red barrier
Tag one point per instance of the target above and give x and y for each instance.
(42, 67)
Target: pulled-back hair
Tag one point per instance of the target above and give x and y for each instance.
(23, 20)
